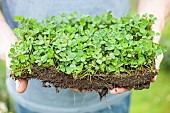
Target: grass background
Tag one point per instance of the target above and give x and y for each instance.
(154, 100)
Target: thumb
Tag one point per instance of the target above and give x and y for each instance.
(21, 85)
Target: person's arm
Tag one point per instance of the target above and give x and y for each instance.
(7, 38)
(161, 10)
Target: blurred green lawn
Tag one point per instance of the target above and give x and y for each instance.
(153, 100)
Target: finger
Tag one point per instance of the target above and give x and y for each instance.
(118, 90)
(21, 85)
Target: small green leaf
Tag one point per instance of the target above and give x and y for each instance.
(18, 18)
(111, 69)
(10, 55)
(102, 67)
(122, 69)
(12, 50)
(79, 68)
(83, 59)
(69, 70)
(82, 22)
(17, 73)
(99, 61)
(129, 55)
(117, 52)
(44, 58)
(51, 62)
(62, 68)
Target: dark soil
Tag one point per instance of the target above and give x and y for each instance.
(100, 83)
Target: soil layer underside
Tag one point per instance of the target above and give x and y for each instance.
(99, 83)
